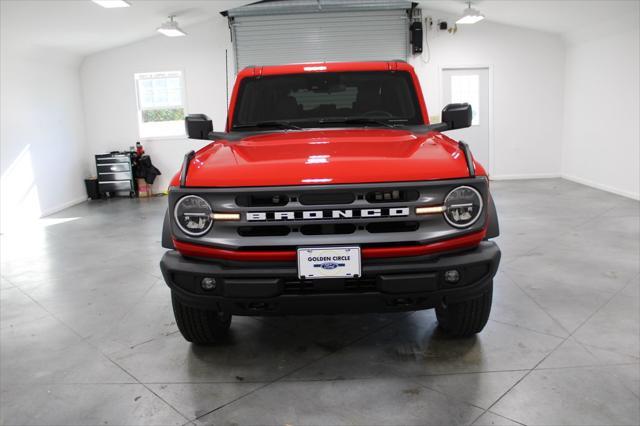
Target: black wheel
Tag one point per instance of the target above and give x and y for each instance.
(464, 319)
(200, 326)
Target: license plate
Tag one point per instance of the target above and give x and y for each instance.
(329, 262)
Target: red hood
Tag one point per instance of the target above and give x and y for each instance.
(327, 157)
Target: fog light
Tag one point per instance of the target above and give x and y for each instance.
(208, 283)
(452, 276)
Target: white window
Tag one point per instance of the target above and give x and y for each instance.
(161, 104)
(466, 88)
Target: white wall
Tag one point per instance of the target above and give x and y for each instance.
(110, 98)
(42, 133)
(528, 89)
(601, 145)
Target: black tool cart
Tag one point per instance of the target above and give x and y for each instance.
(115, 173)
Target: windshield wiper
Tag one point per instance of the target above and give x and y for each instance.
(359, 120)
(277, 124)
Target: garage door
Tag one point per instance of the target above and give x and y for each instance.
(350, 35)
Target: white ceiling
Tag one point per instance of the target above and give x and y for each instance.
(569, 18)
(81, 27)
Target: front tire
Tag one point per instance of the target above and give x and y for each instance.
(200, 326)
(466, 318)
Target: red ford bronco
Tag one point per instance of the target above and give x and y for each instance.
(329, 192)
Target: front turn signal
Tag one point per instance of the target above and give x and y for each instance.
(225, 216)
(430, 210)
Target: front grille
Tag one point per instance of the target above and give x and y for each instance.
(392, 196)
(347, 205)
(323, 198)
(328, 229)
(368, 211)
(262, 200)
(368, 215)
(381, 227)
(263, 231)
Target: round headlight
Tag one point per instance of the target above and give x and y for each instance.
(193, 215)
(463, 206)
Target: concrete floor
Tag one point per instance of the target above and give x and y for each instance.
(88, 336)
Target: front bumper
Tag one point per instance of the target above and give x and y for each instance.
(386, 285)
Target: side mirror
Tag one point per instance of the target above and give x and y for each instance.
(198, 126)
(456, 116)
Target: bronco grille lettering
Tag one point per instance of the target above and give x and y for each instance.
(279, 216)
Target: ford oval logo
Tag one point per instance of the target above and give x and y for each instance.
(329, 265)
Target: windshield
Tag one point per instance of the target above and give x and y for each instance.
(378, 98)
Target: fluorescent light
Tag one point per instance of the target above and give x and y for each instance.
(172, 32)
(171, 29)
(111, 4)
(470, 16)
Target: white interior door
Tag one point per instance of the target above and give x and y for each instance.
(470, 85)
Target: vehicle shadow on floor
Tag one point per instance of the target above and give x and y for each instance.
(342, 347)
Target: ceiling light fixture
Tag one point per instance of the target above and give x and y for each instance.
(112, 4)
(171, 28)
(470, 15)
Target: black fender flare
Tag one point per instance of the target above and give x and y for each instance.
(493, 227)
(167, 239)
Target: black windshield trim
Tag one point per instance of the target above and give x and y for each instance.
(239, 134)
